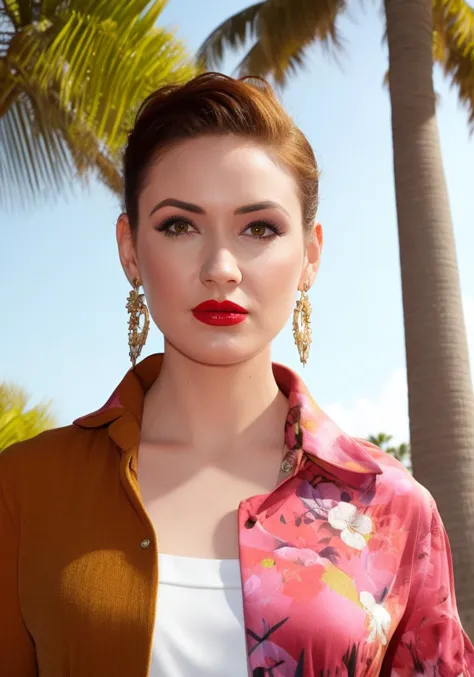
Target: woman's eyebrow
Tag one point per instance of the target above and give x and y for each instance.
(195, 209)
(171, 202)
(258, 206)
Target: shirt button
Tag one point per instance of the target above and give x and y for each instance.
(145, 543)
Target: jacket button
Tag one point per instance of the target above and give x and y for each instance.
(145, 543)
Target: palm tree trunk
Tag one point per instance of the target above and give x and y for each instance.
(441, 403)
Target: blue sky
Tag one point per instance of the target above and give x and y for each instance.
(64, 321)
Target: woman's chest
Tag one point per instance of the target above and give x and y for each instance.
(194, 510)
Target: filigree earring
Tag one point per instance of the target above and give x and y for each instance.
(301, 325)
(137, 308)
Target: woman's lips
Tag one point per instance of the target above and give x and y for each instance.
(219, 314)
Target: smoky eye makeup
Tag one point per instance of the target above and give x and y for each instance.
(167, 224)
(176, 226)
(275, 229)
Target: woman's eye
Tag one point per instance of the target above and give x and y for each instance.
(179, 227)
(263, 230)
(174, 227)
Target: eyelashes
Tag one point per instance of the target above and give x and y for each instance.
(171, 221)
(265, 223)
(166, 226)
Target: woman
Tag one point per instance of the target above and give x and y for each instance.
(210, 520)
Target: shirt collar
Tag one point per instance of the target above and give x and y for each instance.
(307, 426)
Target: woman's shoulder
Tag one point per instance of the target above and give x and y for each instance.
(40, 443)
(396, 484)
(42, 475)
(43, 454)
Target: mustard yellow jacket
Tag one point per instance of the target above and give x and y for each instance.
(345, 566)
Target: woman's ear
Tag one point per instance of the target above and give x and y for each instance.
(314, 246)
(126, 246)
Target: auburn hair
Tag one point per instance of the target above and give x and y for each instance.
(210, 104)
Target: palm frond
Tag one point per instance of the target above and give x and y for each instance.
(18, 11)
(230, 34)
(100, 67)
(257, 62)
(44, 149)
(17, 423)
(50, 8)
(287, 25)
(70, 86)
(33, 154)
(282, 31)
(453, 47)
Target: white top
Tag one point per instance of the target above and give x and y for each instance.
(199, 627)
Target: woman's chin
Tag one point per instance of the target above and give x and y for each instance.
(217, 353)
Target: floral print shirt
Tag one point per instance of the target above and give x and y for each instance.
(346, 567)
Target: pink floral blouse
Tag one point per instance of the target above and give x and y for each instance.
(346, 567)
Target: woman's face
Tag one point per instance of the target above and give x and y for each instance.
(219, 220)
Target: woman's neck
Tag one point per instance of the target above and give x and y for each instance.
(215, 409)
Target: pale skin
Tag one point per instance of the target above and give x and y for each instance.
(213, 422)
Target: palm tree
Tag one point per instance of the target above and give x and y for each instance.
(72, 74)
(441, 404)
(401, 453)
(16, 422)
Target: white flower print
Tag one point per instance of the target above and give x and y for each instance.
(351, 523)
(379, 618)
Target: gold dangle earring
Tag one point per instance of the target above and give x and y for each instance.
(136, 308)
(301, 325)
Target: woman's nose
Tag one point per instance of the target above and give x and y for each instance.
(220, 267)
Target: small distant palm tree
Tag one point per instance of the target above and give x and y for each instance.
(17, 423)
(72, 75)
(401, 453)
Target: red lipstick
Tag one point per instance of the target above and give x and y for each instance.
(219, 314)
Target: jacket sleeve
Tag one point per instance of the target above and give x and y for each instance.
(17, 651)
(430, 639)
